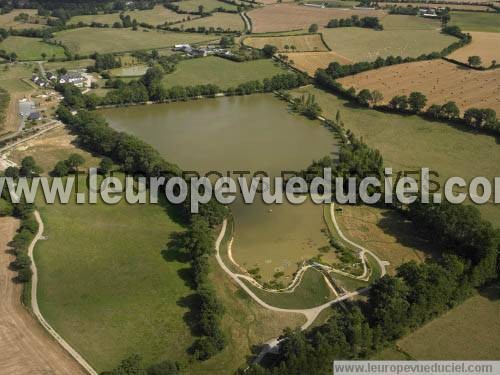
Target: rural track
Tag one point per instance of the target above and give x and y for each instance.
(25, 348)
(36, 310)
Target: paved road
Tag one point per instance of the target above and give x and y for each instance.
(36, 310)
(25, 348)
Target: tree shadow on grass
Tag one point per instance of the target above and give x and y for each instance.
(491, 292)
(191, 317)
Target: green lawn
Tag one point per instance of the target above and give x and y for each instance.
(30, 48)
(476, 21)
(89, 40)
(468, 332)
(73, 64)
(221, 72)
(312, 291)
(359, 44)
(11, 75)
(410, 142)
(105, 286)
(208, 5)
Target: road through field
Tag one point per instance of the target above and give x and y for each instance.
(25, 348)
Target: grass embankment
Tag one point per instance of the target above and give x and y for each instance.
(31, 48)
(449, 150)
(311, 292)
(476, 21)
(88, 40)
(468, 332)
(221, 72)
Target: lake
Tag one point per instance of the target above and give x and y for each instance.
(255, 133)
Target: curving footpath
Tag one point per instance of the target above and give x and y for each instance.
(36, 310)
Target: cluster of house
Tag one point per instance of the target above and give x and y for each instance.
(27, 110)
(430, 12)
(74, 78)
(201, 51)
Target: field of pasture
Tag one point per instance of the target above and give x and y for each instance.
(285, 17)
(224, 21)
(221, 72)
(208, 5)
(299, 43)
(156, 16)
(309, 62)
(90, 40)
(8, 21)
(439, 80)
(31, 48)
(476, 21)
(410, 142)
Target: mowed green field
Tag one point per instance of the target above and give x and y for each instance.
(217, 20)
(468, 332)
(31, 48)
(311, 292)
(221, 72)
(208, 5)
(105, 286)
(89, 40)
(402, 22)
(410, 142)
(11, 77)
(358, 44)
(476, 21)
(156, 16)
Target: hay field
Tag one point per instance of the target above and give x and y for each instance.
(302, 43)
(218, 20)
(468, 332)
(360, 44)
(284, 17)
(309, 62)
(89, 40)
(7, 20)
(439, 80)
(476, 21)
(485, 45)
(156, 16)
(385, 232)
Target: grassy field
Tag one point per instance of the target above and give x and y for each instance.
(475, 21)
(73, 64)
(302, 43)
(218, 20)
(89, 40)
(156, 16)
(449, 150)
(358, 44)
(221, 72)
(7, 20)
(208, 5)
(385, 232)
(30, 48)
(312, 291)
(468, 332)
(402, 22)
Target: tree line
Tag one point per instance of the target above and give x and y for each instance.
(355, 21)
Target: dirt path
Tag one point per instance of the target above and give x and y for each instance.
(25, 348)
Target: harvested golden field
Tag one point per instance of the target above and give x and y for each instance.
(484, 45)
(309, 62)
(284, 17)
(302, 43)
(439, 80)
